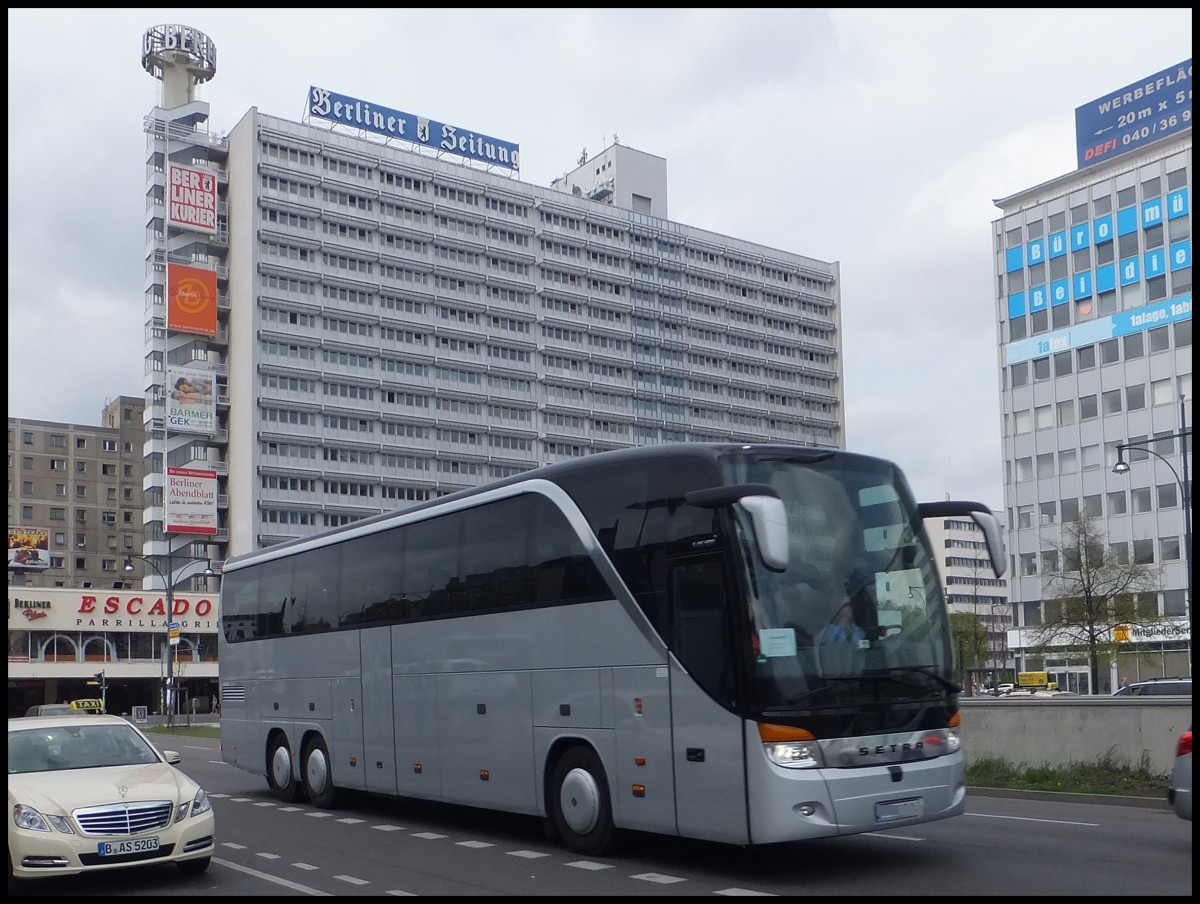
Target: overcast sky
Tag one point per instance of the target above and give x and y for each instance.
(875, 138)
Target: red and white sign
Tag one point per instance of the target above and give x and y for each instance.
(191, 501)
(191, 199)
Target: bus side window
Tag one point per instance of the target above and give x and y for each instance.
(702, 633)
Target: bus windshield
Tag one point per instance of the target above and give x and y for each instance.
(858, 613)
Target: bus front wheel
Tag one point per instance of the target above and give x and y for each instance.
(318, 775)
(581, 805)
(279, 770)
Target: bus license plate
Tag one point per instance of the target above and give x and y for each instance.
(129, 846)
(910, 807)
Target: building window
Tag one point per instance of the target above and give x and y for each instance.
(1166, 495)
(1118, 503)
(1168, 549)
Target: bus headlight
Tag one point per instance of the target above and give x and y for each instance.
(794, 754)
(790, 747)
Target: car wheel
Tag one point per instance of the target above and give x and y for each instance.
(194, 867)
(279, 770)
(318, 775)
(580, 803)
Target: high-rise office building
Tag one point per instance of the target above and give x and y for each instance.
(365, 309)
(1094, 309)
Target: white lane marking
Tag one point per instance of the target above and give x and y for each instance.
(265, 803)
(401, 894)
(588, 864)
(236, 847)
(290, 809)
(319, 814)
(474, 844)
(1055, 822)
(351, 821)
(744, 892)
(528, 855)
(267, 855)
(307, 866)
(432, 836)
(388, 828)
(294, 886)
(658, 878)
(353, 880)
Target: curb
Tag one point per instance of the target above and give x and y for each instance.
(1113, 800)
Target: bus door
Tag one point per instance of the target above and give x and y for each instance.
(375, 722)
(708, 749)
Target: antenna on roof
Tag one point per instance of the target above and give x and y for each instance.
(583, 157)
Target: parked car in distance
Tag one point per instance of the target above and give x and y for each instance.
(1179, 791)
(91, 792)
(51, 709)
(1155, 686)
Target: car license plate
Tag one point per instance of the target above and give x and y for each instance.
(129, 846)
(910, 807)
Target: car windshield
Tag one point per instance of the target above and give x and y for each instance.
(55, 748)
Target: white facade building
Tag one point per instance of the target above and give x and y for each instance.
(1094, 298)
(394, 325)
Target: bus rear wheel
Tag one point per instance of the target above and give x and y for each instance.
(279, 770)
(318, 775)
(580, 803)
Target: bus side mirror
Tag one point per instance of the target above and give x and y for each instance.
(768, 517)
(769, 520)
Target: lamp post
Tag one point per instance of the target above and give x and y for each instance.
(168, 581)
(1122, 467)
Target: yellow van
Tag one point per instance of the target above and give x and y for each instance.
(88, 706)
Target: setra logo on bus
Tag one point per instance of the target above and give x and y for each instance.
(891, 748)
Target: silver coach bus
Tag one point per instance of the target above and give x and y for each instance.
(740, 643)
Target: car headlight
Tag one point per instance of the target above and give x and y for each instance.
(200, 803)
(31, 820)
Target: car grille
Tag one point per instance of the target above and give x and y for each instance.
(124, 819)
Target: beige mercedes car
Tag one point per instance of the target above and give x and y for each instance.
(91, 792)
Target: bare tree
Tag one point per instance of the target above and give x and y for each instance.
(1094, 596)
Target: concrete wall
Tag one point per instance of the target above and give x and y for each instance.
(1037, 731)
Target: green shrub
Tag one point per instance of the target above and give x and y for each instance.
(1106, 775)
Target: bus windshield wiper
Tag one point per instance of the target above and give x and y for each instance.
(829, 685)
(893, 675)
(915, 669)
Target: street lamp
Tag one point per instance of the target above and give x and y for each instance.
(168, 582)
(1122, 467)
